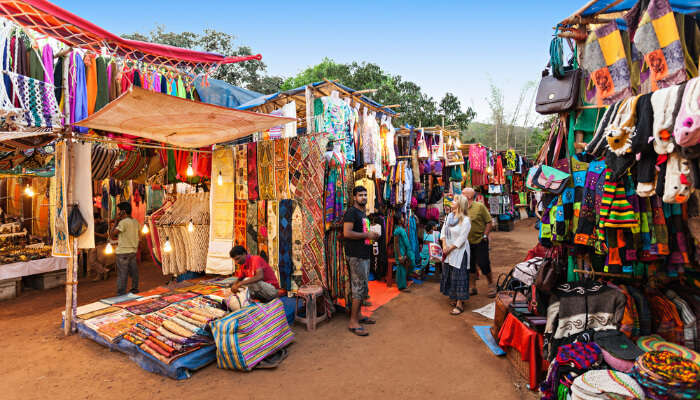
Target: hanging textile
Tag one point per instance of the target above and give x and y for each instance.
(38, 101)
(241, 152)
(78, 94)
(286, 210)
(297, 249)
(272, 235)
(40, 207)
(91, 81)
(282, 168)
(334, 194)
(59, 231)
(266, 170)
(239, 222)
(290, 110)
(262, 228)
(80, 180)
(252, 171)
(252, 228)
(307, 162)
(605, 60)
(47, 61)
(222, 213)
(338, 279)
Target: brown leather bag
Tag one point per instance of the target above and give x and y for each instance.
(548, 275)
(557, 95)
(503, 301)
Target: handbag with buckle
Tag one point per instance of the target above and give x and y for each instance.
(550, 179)
(558, 92)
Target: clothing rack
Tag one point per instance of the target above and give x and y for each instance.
(605, 274)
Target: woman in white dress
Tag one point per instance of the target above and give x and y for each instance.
(454, 281)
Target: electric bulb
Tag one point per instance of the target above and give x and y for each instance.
(220, 179)
(29, 191)
(190, 226)
(190, 171)
(145, 229)
(109, 249)
(167, 247)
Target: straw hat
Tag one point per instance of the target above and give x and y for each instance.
(599, 384)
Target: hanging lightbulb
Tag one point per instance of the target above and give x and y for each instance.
(190, 171)
(190, 226)
(29, 191)
(109, 249)
(167, 247)
(220, 179)
(145, 229)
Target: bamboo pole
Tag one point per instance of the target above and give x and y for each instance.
(68, 322)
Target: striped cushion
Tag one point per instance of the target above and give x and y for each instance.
(246, 337)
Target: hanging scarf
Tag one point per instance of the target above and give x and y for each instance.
(282, 168)
(266, 170)
(252, 228)
(272, 235)
(286, 210)
(262, 227)
(240, 209)
(241, 153)
(252, 171)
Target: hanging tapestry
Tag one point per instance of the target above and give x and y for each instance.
(239, 222)
(61, 247)
(131, 167)
(266, 170)
(252, 171)
(297, 239)
(338, 275)
(658, 40)
(38, 100)
(286, 210)
(262, 228)
(282, 168)
(306, 166)
(40, 207)
(103, 160)
(272, 238)
(241, 172)
(605, 60)
(252, 228)
(221, 213)
(335, 195)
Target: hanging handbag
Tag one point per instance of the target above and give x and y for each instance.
(550, 179)
(76, 223)
(547, 277)
(422, 146)
(526, 271)
(557, 92)
(441, 147)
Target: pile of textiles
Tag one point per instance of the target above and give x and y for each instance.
(189, 248)
(571, 361)
(664, 375)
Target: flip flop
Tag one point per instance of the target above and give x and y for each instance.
(367, 321)
(359, 331)
(459, 310)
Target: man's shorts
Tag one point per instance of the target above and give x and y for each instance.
(359, 275)
(480, 256)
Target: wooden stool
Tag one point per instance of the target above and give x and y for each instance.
(309, 295)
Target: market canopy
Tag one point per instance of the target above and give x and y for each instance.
(679, 6)
(51, 20)
(177, 121)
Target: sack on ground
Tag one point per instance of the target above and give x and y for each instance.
(244, 338)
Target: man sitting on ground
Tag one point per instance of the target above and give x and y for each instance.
(254, 273)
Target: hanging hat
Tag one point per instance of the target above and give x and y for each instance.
(617, 344)
(621, 128)
(687, 126)
(665, 103)
(605, 384)
(677, 186)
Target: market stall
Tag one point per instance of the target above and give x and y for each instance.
(611, 305)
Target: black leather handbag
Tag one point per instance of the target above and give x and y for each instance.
(76, 223)
(558, 92)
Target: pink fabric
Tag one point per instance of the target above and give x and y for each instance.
(47, 60)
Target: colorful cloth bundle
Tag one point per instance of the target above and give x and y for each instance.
(666, 375)
(131, 167)
(38, 100)
(246, 337)
(605, 60)
(657, 343)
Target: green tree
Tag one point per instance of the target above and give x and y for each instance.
(248, 74)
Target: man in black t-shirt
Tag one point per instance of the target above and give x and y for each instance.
(358, 247)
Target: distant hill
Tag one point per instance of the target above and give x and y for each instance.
(485, 134)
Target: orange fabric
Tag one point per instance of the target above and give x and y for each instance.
(379, 295)
(91, 82)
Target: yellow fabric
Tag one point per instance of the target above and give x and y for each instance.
(612, 47)
(666, 29)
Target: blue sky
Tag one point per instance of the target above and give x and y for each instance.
(442, 46)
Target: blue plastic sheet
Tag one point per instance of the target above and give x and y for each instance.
(679, 6)
(222, 93)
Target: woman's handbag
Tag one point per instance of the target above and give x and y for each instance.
(550, 179)
(76, 223)
(547, 277)
(558, 92)
(422, 146)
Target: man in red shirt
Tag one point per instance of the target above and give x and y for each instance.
(254, 273)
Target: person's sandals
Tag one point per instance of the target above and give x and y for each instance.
(367, 321)
(492, 291)
(457, 310)
(359, 331)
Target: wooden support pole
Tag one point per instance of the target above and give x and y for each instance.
(68, 322)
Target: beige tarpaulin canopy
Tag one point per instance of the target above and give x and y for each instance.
(176, 121)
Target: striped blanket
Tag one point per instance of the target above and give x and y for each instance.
(246, 337)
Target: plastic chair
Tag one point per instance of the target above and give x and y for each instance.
(309, 295)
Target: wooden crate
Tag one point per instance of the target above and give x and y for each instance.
(48, 280)
(9, 288)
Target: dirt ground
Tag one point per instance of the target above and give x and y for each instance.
(416, 350)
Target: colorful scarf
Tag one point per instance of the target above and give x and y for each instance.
(252, 228)
(266, 170)
(262, 227)
(241, 152)
(606, 61)
(240, 210)
(252, 171)
(286, 210)
(38, 101)
(282, 168)
(59, 227)
(272, 235)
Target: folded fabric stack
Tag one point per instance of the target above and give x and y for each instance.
(605, 384)
(571, 361)
(665, 375)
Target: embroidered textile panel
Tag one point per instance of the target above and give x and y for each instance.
(240, 209)
(272, 238)
(252, 228)
(262, 227)
(286, 210)
(252, 171)
(60, 247)
(266, 170)
(241, 172)
(282, 168)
